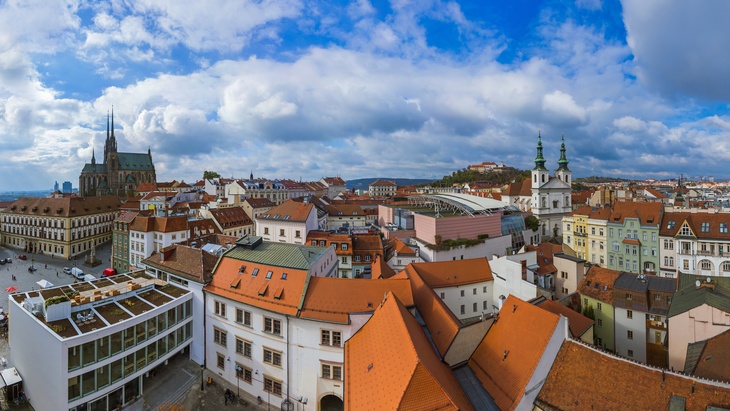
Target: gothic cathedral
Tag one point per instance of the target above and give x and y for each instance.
(551, 194)
(119, 174)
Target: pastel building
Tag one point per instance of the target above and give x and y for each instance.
(596, 292)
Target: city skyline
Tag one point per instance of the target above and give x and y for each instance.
(303, 89)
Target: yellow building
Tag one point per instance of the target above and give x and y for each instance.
(60, 226)
(585, 233)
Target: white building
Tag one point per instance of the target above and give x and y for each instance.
(150, 234)
(694, 243)
(551, 195)
(89, 349)
(287, 223)
(273, 318)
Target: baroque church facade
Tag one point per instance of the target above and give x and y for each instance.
(546, 196)
(119, 174)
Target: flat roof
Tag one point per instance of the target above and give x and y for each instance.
(464, 203)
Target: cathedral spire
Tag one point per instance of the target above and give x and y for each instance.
(563, 162)
(539, 159)
(93, 157)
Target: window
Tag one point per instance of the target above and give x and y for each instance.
(474, 291)
(685, 231)
(266, 230)
(628, 296)
(474, 307)
(281, 232)
(463, 309)
(272, 357)
(443, 295)
(726, 266)
(657, 297)
(631, 353)
(298, 234)
(333, 338)
(272, 326)
(243, 347)
(598, 305)
(705, 228)
(600, 322)
(272, 386)
(357, 258)
(706, 265)
(600, 232)
(332, 371)
(243, 317)
(367, 257)
(462, 293)
(244, 373)
(484, 305)
(723, 227)
(630, 334)
(629, 314)
(221, 361)
(220, 309)
(220, 337)
(344, 246)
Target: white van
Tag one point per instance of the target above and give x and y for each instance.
(76, 272)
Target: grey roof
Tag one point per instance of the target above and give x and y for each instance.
(93, 168)
(135, 161)
(569, 257)
(474, 390)
(694, 350)
(664, 284)
(629, 281)
(690, 296)
(285, 255)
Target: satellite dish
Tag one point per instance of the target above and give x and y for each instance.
(709, 280)
(698, 283)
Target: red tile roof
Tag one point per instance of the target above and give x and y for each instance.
(598, 283)
(231, 217)
(454, 272)
(507, 357)
(390, 365)
(583, 378)
(647, 213)
(295, 211)
(381, 270)
(577, 322)
(333, 299)
(63, 206)
(159, 224)
(191, 263)
(714, 361)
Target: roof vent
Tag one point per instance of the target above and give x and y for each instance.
(504, 357)
(370, 367)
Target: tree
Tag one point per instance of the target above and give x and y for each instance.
(207, 175)
(588, 312)
(532, 223)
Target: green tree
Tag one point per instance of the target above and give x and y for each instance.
(588, 312)
(532, 223)
(207, 175)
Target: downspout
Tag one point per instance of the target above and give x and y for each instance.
(288, 366)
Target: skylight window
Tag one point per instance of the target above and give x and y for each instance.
(283, 276)
(269, 274)
(255, 272)
(670, 225)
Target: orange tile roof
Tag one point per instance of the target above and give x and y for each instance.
(441, 322)
(577, 322)
(160, 224)
(544, 253)
(583, 378)
(248, 290)
(259, 202)
(146, 187)
(63, 207)
(454, 272)
(647, 213)
(523, 332)
(296, 211)
(596, 213)
(231, 217)
(380, 269)
(598, 283)
(192, 263)
(714, 361)
(390, 365)
(401, 247)
(333, 299)
(711, 221)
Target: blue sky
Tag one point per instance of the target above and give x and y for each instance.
(364, 88)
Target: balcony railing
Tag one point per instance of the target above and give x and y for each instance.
(580, 234)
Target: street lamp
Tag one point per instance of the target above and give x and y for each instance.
(238, 380)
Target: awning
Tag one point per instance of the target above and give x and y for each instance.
(10, 376)
(44, 283)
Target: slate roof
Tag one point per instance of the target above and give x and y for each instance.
(716, 294)
(390, 365)
(135, 161)
(583, 378)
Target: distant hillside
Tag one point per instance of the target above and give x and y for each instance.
(597, 179)
(364, 183)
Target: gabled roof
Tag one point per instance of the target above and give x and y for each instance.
(595, 213)
(259, 202)
(577, 322)
(135, 161)
(655, 193)
(333, 181)
(191, 263)
(159, 224)
(231, 217)
(583, 378)
(648, 214)
(689, 295)
(598, 283)
(714, 360)
(383, 183)
(454, 272)
(401, 248)
(333, 299)
(441, 322)
(234, 279)
(344, 210)
(702, 225)
(544, 255)
(380, 269)
(145, 187)
(291, 211)
(284, 255)
(507, 356)
(63, 206)
(205, 225)
(389, 365)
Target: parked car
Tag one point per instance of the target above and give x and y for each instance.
(22, 257)
(67, 270)
(8, 260)
(2, 262)
(109, 272)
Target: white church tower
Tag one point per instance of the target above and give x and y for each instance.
(551, 195)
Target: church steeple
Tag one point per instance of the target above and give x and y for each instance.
(539, 159)
(113, 139)
(251, 177)
(563, 162)
(93, 157)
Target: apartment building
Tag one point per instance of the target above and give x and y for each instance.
(341, 243)
(149, 235)
(382, 188)
(596, 296)
(633, 237)
(289, 222)
(231, 221)
(584, 232)
(120, 240)
(695, 243)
